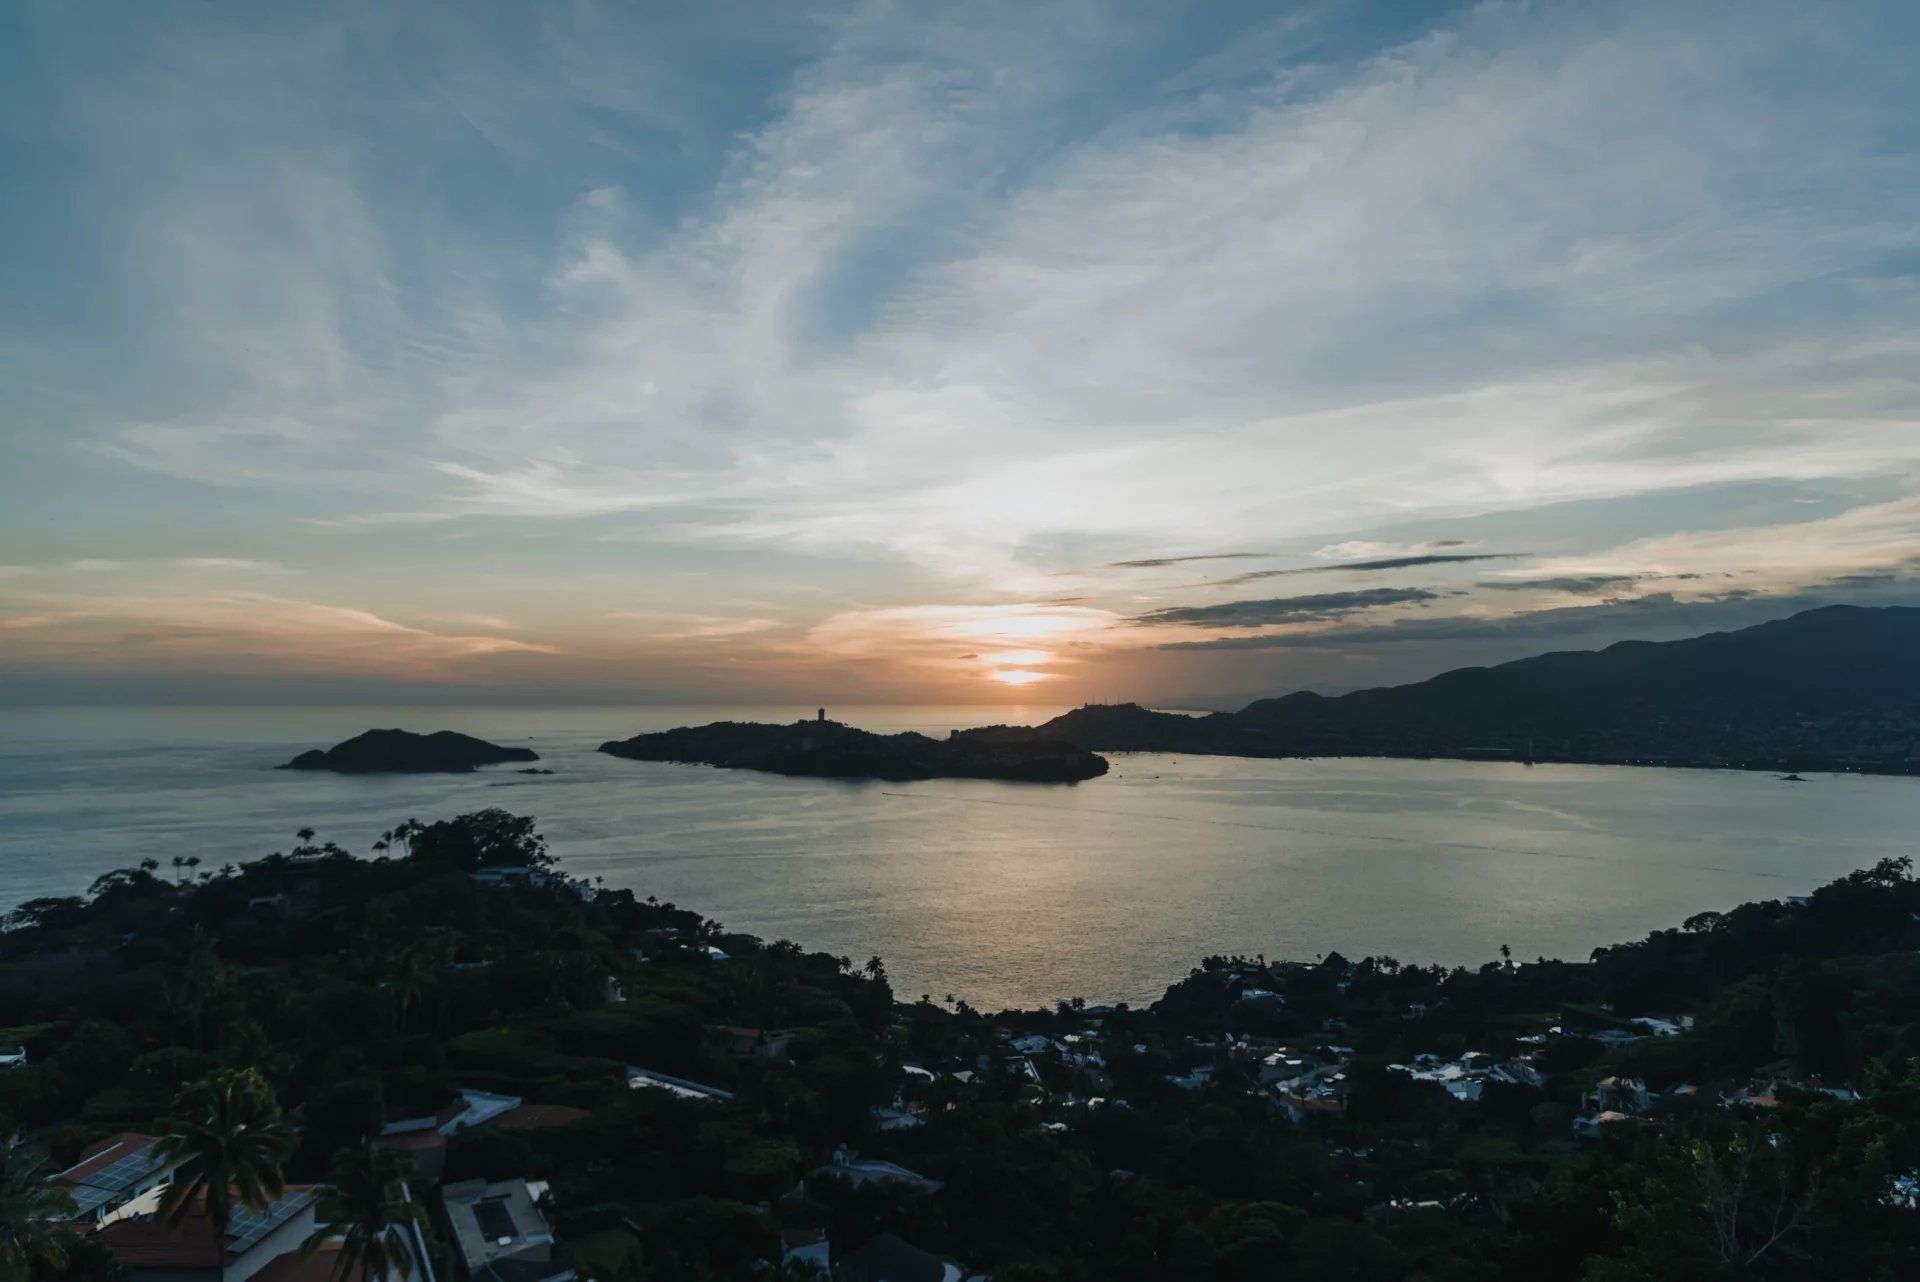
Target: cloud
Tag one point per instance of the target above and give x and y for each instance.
(244, 633)
(107, 565)
(1658, 614)
(1155, 562)
(1384, 563)
(1583, 585)
(668, 625)
(1295, 609)
(907, 310)
(1374, 550)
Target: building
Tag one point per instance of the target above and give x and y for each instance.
(117, 1177)
(424, 1137)
(647, 1079)
(154, 1251)
(501, 1234)
(808, 1247)
(889, 1259)
(856, 1170)
(754, 1043)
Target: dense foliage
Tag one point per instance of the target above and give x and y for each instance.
(366, 990)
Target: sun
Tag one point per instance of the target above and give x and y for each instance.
(1020, 676)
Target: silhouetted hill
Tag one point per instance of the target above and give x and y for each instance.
(403, 752)
(1829, 689)
(832, 750)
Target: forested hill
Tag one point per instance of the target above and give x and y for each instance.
(1829, 689)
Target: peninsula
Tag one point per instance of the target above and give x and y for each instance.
(1831, 689)
(403, 752)
(834, 750)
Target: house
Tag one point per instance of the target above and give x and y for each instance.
(117, 1177)
(511, 875)
(154, 1251)
(1318, 1103)
(539, 1117)
(646, 1079)
(501, 1234)
(889, 1259)
(1592, 1124)
(897, 1117)
(1660, 1026)
(14, 1058)
(754, 1043)
(856, 1170)
(810, 1248)
(424, 1137)
(1194, 1079)
(1618, 1094)
(1517, 1072)
(320, 1265)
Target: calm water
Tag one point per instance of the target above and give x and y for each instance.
(998, 893)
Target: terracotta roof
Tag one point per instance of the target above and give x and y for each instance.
(318, 1267)
(149, 1242)
(99, 1156)
(526, 1117)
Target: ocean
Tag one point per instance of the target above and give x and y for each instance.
(1002, 894)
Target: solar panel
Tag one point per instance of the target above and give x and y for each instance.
(87, 1200)
(126, 1172)
(248, 1226)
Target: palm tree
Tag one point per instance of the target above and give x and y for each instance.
(32, 1214)
(228, 1142)
(365, 1205)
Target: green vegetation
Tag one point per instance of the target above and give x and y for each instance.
(1264, 1120)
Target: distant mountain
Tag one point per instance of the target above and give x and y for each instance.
(831, 749)
(1829, 689)
(403, 752)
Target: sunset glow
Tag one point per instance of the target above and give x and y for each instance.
(1022, 677)
(1317, 354)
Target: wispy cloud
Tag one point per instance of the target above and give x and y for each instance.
(932, 309)
(1294, 609)
(1157, 562)
(1384, 563)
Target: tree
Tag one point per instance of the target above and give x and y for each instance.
(485, 838)
(32, 1212)
(366, 1207)
(228, 1141)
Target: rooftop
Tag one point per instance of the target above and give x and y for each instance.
(495, 1222)
(149, 1242)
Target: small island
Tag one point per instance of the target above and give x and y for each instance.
(403, 752)
(833, 750)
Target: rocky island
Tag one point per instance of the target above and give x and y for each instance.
(403, 752)
(833, 750)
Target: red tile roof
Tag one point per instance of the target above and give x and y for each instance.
(105, 1153)
(318, 1267)
(150, 1242)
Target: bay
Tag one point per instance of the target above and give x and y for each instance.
(999, 893)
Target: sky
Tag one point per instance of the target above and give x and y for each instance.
(976, 353)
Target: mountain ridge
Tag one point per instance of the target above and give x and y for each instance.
(1833, 688)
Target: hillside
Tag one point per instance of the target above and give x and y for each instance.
(830, 749)
(1829, 689)
(404, 752)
